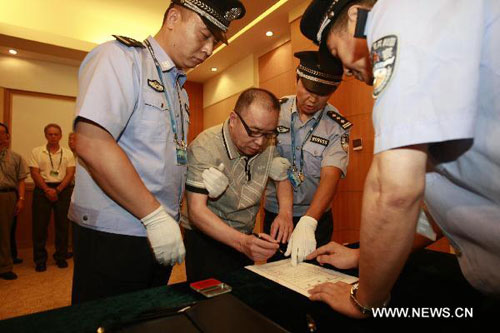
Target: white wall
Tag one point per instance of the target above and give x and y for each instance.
(30, 114)
(234, 79)
(38, 76)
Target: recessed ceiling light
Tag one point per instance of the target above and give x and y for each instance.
(12, 51)
(214, 69)
(269, 33)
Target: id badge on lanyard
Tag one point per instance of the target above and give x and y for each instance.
(181, 153)
(295, 177)
(180, 144)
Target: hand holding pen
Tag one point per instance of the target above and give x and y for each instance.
(268, 238)
(258, 248)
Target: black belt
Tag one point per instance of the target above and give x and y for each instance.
(7, 190)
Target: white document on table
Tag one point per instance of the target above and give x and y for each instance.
(300, 278)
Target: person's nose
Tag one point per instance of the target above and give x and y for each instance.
(208, 48)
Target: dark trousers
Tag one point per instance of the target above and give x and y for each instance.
(208, 258)
(107, 264)
(323, 232)
(7, 210)
(42, 208)
(13, 242)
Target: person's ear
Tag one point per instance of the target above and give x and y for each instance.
(173, 17)
(352, 13)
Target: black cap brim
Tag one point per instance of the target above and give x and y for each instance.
(317, 88)
(218, 34)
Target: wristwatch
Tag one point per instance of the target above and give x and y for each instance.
(365, 310)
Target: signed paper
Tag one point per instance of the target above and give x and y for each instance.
(300, 278)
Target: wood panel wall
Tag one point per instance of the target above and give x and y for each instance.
(195, 93)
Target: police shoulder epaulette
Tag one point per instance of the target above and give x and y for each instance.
(343, 122)
(283, 100)
(130, 42)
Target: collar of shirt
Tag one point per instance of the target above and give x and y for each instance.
(166, 63)
(231, 149)
(295, 109)
(45, 150)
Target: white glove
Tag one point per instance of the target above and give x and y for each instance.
(165, 237)
(279, 169)
(215, 181)
(424, 227)
(302, 242)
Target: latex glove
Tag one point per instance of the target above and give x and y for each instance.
(279, 169)
(165, 238)
(302, 242)
(215, 181)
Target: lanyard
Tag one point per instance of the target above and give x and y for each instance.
(309, 133)
(51, 163)
(173, 123)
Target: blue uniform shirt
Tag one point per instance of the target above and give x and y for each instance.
(437, 82)
(120, 90)
(326, 146)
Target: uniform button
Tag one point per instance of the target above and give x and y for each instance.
(85, 217)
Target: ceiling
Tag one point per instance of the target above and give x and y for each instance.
(63, 31)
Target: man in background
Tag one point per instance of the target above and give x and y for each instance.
(13, 172)
(52, 169)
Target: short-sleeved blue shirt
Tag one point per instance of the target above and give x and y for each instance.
(120, 90)
(437, 81)
(326, 146)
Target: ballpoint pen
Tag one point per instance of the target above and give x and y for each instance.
(259, 237)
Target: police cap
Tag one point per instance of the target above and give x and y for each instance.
(217, 14)
(320, 73)
(319, 17)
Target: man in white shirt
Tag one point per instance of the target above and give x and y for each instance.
(52, 168)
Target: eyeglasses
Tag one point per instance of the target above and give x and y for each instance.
(257, 134)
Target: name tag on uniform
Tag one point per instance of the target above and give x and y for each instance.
(319, 140)
(54, 173)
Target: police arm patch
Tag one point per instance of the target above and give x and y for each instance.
(383, 54)
(344, 142)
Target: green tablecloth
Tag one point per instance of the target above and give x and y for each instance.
(430, 279)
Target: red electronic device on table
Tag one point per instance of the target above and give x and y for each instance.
(210, 287)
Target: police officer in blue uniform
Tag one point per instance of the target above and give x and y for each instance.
(132, 126)
(314, 139)
(436, 120)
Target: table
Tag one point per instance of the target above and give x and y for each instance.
(430, 279)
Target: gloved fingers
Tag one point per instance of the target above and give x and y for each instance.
(182, 254)
(300, 254)
(289, 248)
(221, 167)
(295, 254)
